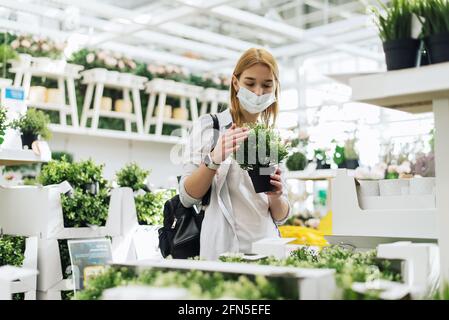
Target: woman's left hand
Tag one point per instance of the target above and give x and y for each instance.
(276, 182)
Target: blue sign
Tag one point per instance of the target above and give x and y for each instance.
(15, 93)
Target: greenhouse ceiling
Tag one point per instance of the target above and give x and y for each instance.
(203, 35)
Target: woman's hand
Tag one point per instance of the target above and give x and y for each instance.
(228, 143)
(276, 182)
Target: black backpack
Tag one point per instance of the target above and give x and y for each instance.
(180, 235)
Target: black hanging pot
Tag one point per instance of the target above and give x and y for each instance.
(261, 176)
(401, 54)
(352, 163)
(438, 47)
(28, 138)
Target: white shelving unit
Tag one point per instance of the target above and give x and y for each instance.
(160, 89)
(10, 157)
(115, 134)
(28, 67)
(211, 99)
(96, 80)
(418, 90)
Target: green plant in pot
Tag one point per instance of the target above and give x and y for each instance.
(321, 159)
(133, 176)
(32, 125)
(339, 156)
(434, 17)
(350, 154)
(3, 125)
(395, 31)
(296, 161)
(259, 154)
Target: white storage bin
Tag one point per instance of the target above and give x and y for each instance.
(369, 188)
(421, 186)
(393, 187)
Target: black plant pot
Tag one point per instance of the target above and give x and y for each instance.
(438, 46)
(261, 178)
(28, 139)
(322, 165)
(352, 163)
(401, 54)
(342, 165)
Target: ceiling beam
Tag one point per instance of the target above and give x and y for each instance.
(287, 30)
(138, 53)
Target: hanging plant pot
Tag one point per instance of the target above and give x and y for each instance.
(27, 139)
(261, 176)
(438, 46)
(352, 163)
(401, 54)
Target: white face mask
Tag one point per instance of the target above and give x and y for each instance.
(253, 103)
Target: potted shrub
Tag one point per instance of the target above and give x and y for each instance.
(434, 17)
(296, 161)
(322, 161)
(350, 154)
(339, 156)
(133, 176)
(3, 125)
(32, 125)
(259, 154)
(395, 31)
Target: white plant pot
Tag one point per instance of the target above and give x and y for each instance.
(393, 187)
(180, 114)
(420, 186)
(369, 188)
(72, 69)
(23, 61)
(167, 112)
(123, 106)
(54, 96)
(95, 75)
(37, 94)
(106, 104)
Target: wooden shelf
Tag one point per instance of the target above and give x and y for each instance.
(172, 121)
(320, 174)
(115, 134)
(9, 157)
(47, 105)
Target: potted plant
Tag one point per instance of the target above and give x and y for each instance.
(32, 125)
(321, 158)
(133, 176)
(339, 156)
(350, 154)
(259, 154)
(3, 125)
(296, 161)
(395, 31)
(434, 17)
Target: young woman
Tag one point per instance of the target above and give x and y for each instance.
(236, 216)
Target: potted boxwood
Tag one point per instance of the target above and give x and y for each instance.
(395, 31)
(259, 154)
(350, 154)
(434, 17)
(32, 125)
(3, 125)
(296, 161)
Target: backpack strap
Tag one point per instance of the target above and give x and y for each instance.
(206, 198)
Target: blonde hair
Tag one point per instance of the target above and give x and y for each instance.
(249, 58)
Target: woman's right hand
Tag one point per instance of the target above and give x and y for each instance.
(228, 143)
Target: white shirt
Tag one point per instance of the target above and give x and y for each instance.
(224, 229)
(251, 210)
